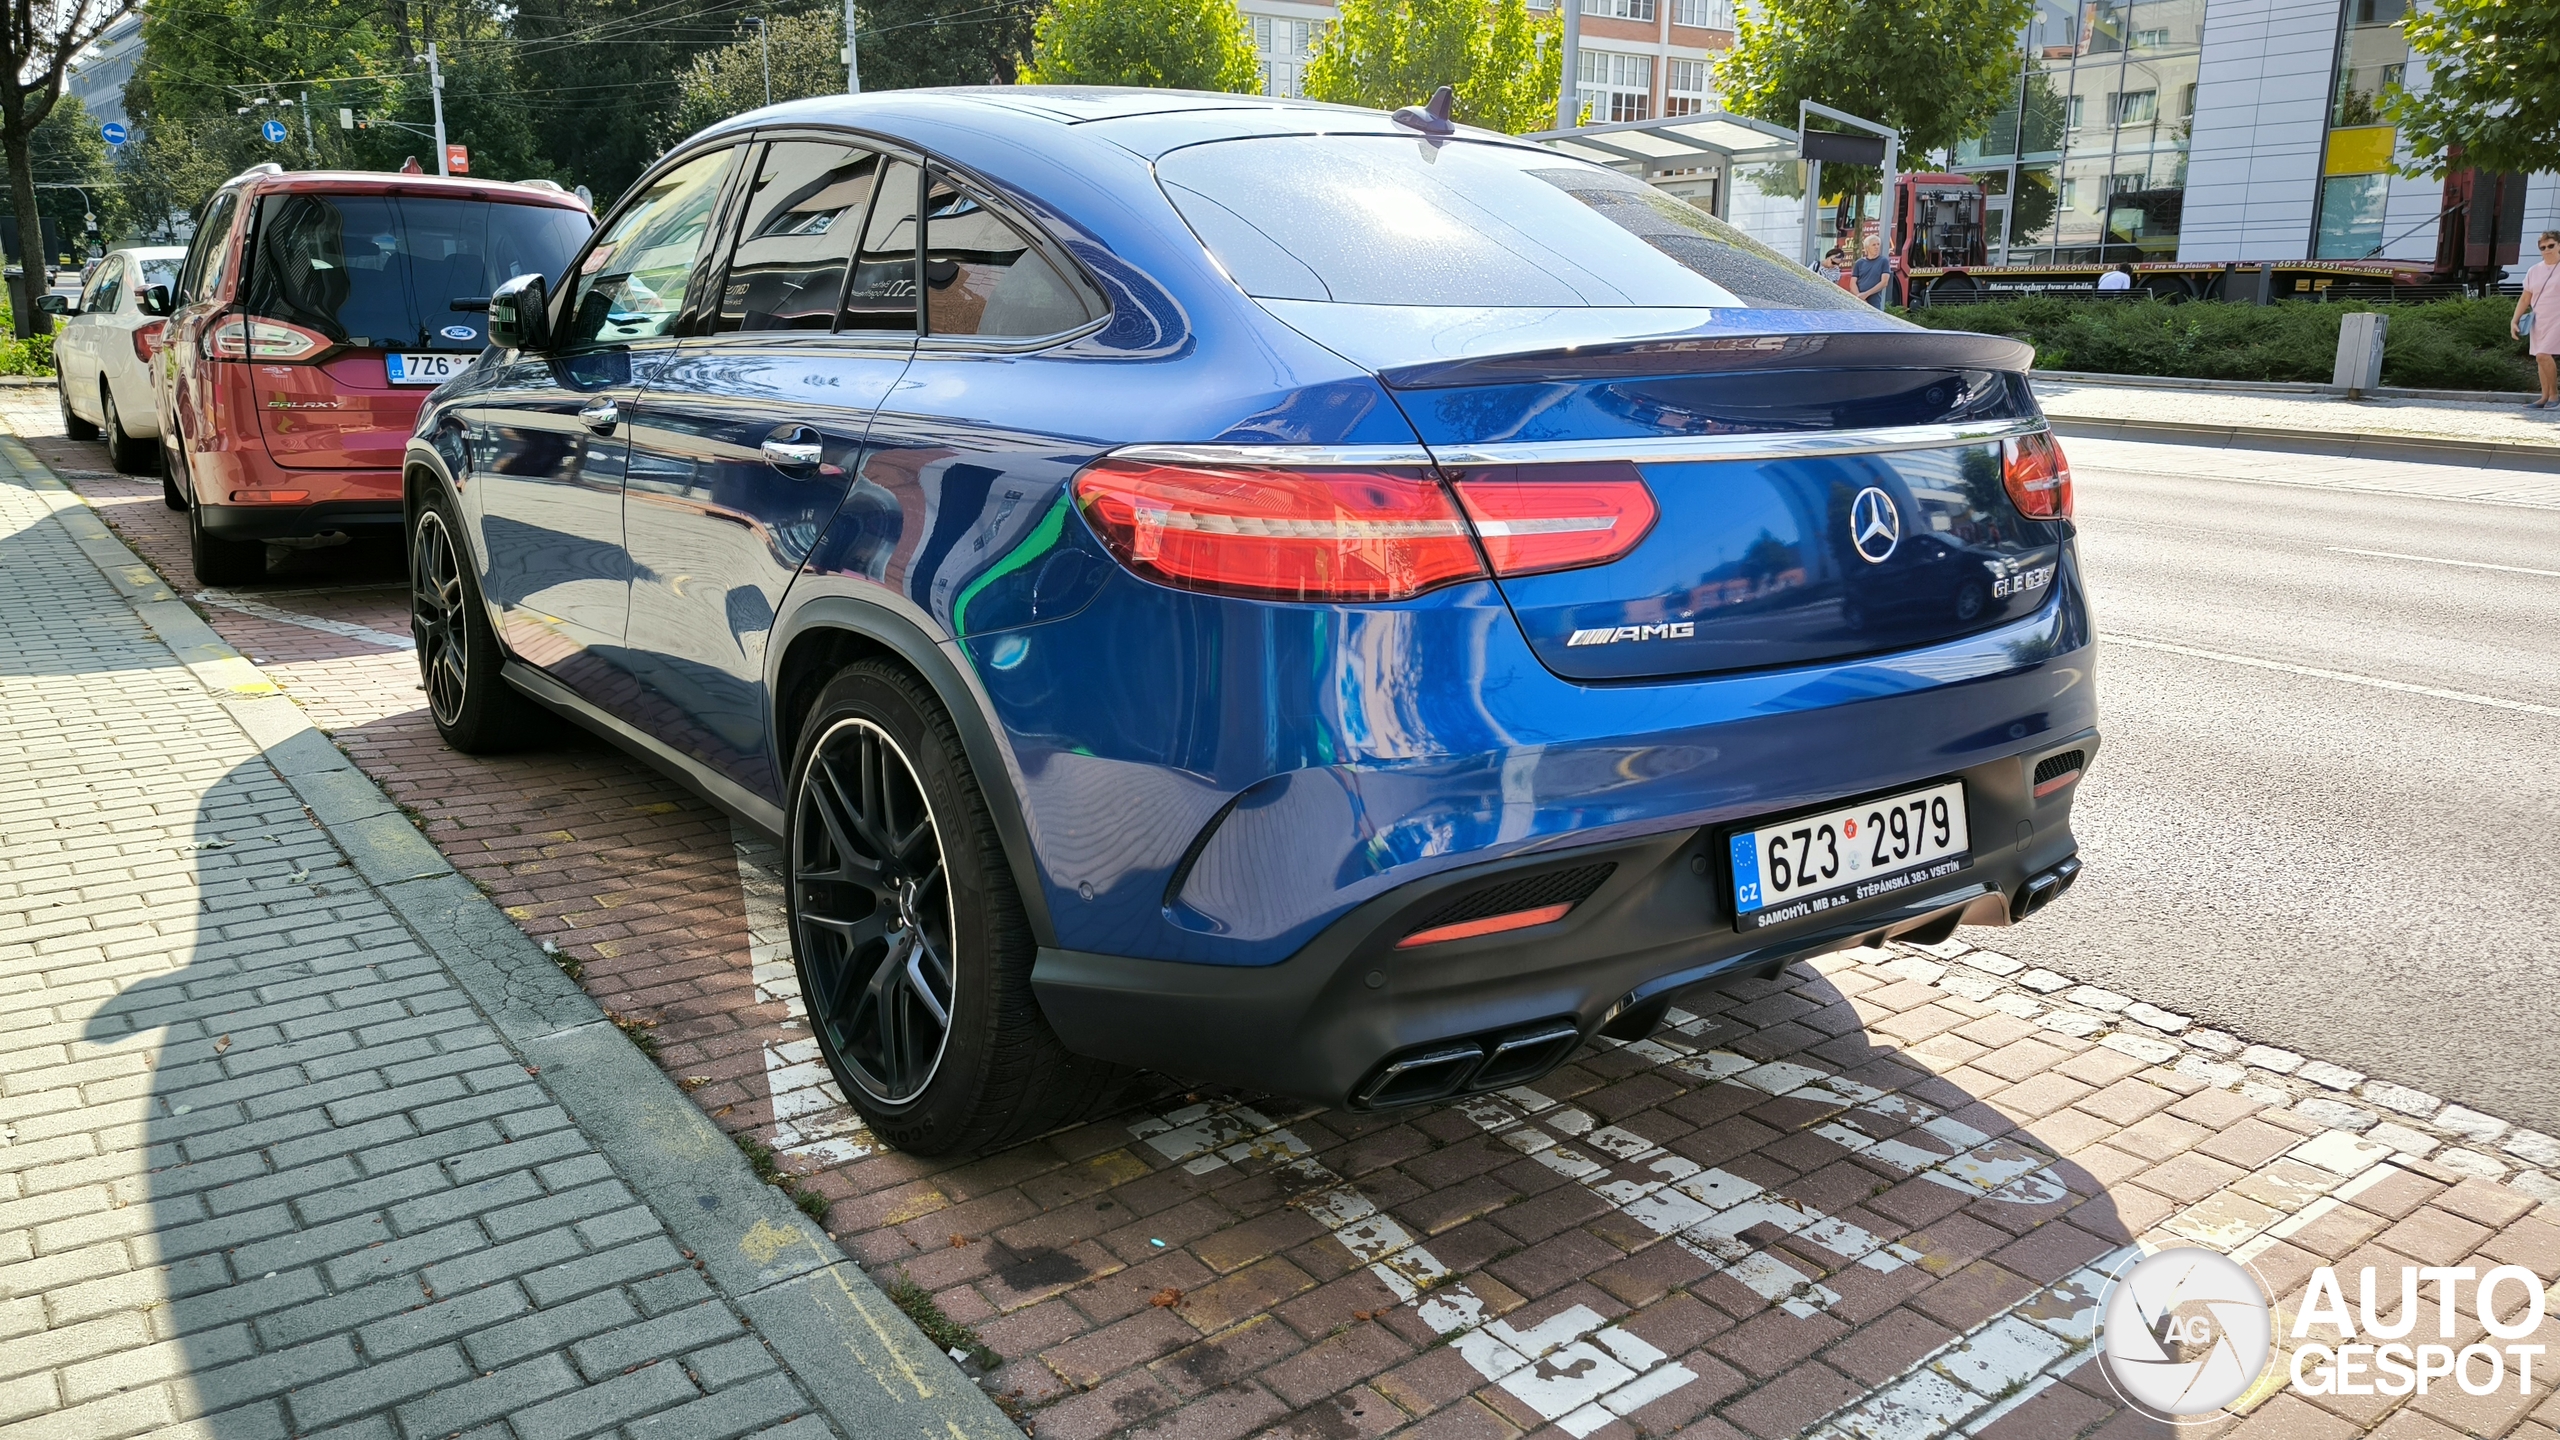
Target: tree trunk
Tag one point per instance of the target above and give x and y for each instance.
(31, 252)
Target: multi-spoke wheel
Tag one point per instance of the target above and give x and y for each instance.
(913, 947)
(875, 911)
(475, 711)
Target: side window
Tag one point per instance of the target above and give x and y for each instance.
(632, 284)
(984, 276)
(882, 295)
(100, 297)
(210, 234)
(809, 202)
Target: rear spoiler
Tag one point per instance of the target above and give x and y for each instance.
(1894, 349)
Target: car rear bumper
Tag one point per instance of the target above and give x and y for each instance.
(1344, 1020)
(360, 519)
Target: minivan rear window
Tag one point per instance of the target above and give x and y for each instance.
(386, 269)
(1386, 220)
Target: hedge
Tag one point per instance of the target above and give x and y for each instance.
(2443, 345)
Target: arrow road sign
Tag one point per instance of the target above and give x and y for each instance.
(115, 133)
(274, 131)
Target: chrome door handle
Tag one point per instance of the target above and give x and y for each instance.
(601, 416)
(793, 455)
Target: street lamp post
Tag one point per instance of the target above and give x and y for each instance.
(764, 42)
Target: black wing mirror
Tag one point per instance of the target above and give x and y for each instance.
(520, 314)
(154, 300)
(56, 305)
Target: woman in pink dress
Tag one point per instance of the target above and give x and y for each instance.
(2541, 299)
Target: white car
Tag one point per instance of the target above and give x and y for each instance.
(103, 359)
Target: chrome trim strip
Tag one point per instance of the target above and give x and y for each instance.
(1647, 449)
(1285, 455)
(1814, 445)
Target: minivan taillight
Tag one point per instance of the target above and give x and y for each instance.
(1337, 536)
(146, 340)
(2037, 477)
(237, 337)
(1534, 519)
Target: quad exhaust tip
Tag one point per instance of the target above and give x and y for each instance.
(1488, 1062)
(2042, 890)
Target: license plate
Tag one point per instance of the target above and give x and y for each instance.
(415, 369)
(1817, 863)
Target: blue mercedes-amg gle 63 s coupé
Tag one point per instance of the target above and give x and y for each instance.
(1279, 595)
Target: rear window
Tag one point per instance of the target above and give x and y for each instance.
(159, 272)
(386, 269)
(1383, 220)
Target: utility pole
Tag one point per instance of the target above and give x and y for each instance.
(1569, 101)
(764, 41)
(309, 146)
(852, 57)
(435, 92)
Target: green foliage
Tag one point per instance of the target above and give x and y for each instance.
(599, 79)
(911, 43)
(731, 80)
(1389, 53)
(66, 150)
(1164, 44)
(32, 355)
(2443, 345)
(2493, 86)
(946, 1333)
(1866, 57)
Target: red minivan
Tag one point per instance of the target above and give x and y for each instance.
(314, 312)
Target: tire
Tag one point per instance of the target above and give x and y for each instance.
(901, 905)
(475, 710)
(72, 424)
(128, 455)
(170, 494)
(218, 562)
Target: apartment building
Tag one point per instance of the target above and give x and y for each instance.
(1639, 58)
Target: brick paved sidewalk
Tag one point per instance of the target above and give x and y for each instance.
(278, 1149)
(1871, 1198)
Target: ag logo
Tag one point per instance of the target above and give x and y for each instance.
(2185, 1332)
(1875, 525)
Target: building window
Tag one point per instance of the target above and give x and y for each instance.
(1684, 90)
(2070, 194)
(1619, 9)
(2073, 110)
(1281, 46)
(1617, 87)
(2134, 107)
(2355, 186)
(1703, 14)
(2151, 39)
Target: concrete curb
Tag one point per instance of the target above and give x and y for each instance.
(865, 1363)
(2490, 454)
(2308, 388)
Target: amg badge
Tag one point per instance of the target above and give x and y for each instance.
(1677, 630)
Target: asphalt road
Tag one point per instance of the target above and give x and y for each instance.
(2368, 873)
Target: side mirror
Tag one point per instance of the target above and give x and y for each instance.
(520, 314)
(154, 301)
(56, 305)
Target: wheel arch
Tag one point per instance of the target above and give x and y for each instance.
(820, 636)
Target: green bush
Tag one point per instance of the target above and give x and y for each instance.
(31, 356)
(2443, 345)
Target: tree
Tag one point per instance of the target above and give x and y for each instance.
(1934, 70)
(38, 38)
(599, 77)
(731, 80)
(1506, 65)
(1165, 44)
(910, 43)
(2493, 87)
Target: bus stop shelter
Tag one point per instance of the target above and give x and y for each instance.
(1661, 149)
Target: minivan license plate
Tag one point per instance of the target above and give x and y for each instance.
(1814, 864)
(415, 369)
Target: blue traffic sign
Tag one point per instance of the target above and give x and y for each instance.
(115, 133)
(274, 131)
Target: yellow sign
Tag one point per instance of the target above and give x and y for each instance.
(2361, 150)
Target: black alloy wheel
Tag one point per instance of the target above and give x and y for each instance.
(436, 618)
(913, 947)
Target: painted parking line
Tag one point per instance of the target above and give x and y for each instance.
(244, 605)
(811, 1120)
(2376, 682)
(2439, 560)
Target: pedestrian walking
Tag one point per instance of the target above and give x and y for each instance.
(2537, 318)
(2120, 278)
(1871, 272)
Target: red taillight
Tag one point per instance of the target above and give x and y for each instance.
(269, 497)
(1321, 535)
(146, 340)
(2038, 478)
(1490, 925)
(238, 337)
(1556, 517)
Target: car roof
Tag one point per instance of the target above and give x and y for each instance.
(151, 252)
(377, 182)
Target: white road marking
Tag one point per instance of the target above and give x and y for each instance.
(2437, 560)
(264, 611)
(2376, 682)
(810, 1117)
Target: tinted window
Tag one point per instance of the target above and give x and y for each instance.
(210, 233)
(159, 272)
(632, 284)
(883, 293)
(103, 289)
(983, 276)
(1382, 220)
(386, 269)
(809, 201)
